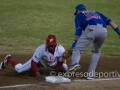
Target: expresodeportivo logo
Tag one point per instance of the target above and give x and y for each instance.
(85, 74)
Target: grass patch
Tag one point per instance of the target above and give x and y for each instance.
(24, 24)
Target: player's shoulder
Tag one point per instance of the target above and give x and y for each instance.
(60, 47)
(42, 46)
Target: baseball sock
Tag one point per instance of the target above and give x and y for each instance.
(13, 62)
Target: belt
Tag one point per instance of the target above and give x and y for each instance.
(99, 25)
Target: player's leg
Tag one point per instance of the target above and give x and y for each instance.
(17, 65)
(97, 44)
(83, 42)
(93, 64)
(8, 59)
(23, 67)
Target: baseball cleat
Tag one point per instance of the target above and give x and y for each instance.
(5, 62)
(90, 78)
(73, 68)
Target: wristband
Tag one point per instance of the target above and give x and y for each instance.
(74, 43)
(117, 30)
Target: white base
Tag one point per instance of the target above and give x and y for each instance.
(57, 79)
(0, 66)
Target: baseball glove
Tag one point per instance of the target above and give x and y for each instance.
(67, 53)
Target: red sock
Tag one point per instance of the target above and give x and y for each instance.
(13, 62)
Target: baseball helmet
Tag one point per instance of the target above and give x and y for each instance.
(51, 40)
(79, 7)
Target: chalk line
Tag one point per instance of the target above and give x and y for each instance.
(103, 79)
(12, 86)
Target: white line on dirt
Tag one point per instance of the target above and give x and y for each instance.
(104, 79)
(20, 85)
(12, 86)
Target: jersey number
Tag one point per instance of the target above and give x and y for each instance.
(91, 15)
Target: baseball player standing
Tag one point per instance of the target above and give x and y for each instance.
(49, 55)
(94, 25)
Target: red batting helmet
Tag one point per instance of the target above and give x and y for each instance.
(51, 40)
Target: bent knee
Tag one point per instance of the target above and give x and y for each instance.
(18, 68)
(95, 51)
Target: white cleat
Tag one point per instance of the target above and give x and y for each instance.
(73, 69)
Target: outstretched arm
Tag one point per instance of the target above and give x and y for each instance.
(114, 26)
(35, 69)
(75, 40)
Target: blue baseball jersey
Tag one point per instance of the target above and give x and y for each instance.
(91, 17)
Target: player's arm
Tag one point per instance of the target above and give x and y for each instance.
(35, 61)
(63, 54)
(114, 26)
(35, 69)
(108, 21)
(68, 52)
(105, 18)
(78, 31)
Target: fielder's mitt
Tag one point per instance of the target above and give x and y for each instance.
(67, 53)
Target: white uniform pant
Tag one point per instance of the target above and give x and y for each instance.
(27, 66)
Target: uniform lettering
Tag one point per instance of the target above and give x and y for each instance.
(91, 15)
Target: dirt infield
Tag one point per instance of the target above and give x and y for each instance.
(108, 67)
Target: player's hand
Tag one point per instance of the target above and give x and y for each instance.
(74, 43)
(117, 31)
(39, 76)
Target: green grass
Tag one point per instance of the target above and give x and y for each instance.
(24, 24)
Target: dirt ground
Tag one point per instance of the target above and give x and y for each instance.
(106, 65)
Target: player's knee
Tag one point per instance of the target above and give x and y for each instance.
(18, 68)
(19, 71)
(96, 51)
(78, 50)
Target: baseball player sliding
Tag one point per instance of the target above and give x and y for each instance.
(49, 55)
(94, 25)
